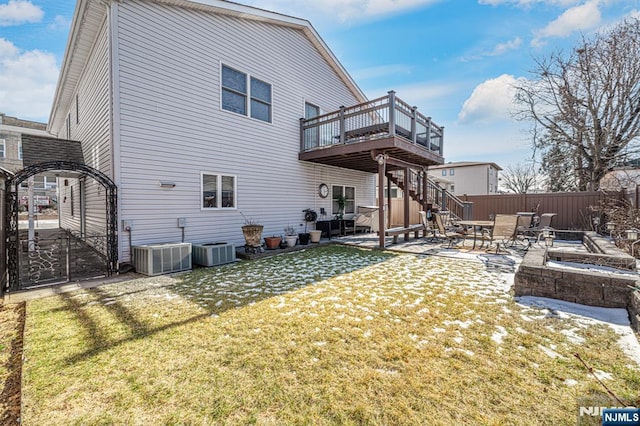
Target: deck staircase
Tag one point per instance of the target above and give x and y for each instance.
(441, 198)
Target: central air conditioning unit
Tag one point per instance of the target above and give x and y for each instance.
(158, 259)
(213, 254)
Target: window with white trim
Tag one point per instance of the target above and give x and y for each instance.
(452, 172)
(3, 147)
(245, 95)
(20, 150)
(218, 191)
(444, 172)
(349, 193)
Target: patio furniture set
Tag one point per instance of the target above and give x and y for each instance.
(503, 230)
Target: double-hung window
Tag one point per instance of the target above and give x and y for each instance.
(218, 191)
(245, 95)
(349, 194)
(3, 147)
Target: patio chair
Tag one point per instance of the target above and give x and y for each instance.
(428, 229)
(504, 230)
(447, 234)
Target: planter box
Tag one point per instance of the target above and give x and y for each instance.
(213, 254)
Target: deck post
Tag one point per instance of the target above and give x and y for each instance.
(406, 201)
(389, 205)
(392, 113)
(381, 173)
(414, 133)
(341, 125)
(425, 200)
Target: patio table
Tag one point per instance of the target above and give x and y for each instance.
(476, 224)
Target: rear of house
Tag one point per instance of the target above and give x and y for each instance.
(194, 111)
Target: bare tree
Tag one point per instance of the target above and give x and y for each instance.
(587, 105)
(519, 178)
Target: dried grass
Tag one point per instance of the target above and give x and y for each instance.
(332, 335)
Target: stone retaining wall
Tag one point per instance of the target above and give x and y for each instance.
(535, 278)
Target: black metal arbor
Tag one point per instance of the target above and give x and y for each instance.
(11, 213)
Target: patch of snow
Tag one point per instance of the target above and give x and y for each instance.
(549, 352)
(499, 335)
(439, 330)
(601, 375)
(576, 266)
(462, 324)
(570, 382)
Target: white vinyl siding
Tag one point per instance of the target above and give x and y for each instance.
(94, 133)
(169, 62)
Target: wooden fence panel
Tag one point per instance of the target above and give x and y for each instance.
(571, 208)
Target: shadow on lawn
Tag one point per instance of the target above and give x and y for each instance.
(217, 290)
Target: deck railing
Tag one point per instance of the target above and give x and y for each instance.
(379, 118)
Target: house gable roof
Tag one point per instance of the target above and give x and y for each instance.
(466, 164)
(38, 149)
(90, 14)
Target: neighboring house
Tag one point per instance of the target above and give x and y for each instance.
(469, 177)
(12, 130)
(194, 109)
(624, 177)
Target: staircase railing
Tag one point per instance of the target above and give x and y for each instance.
(436, 195)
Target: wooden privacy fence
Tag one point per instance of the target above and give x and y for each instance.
(571, 208)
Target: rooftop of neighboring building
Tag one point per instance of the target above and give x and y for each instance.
(17, 124)
(465, 164)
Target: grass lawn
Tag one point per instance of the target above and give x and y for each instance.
(330, 335)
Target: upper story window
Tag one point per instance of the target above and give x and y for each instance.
(20, 150)
(3, 145)
(245, 95)
(218, 191)
(444, 172)
(452, 172)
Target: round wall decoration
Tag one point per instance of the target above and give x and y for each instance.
(323, 190)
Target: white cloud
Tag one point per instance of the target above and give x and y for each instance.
(27, 81)
(528, 3)
(59, 23)
(344, 10)
(381, 71)
(578, 18)
(492, 100)
(502, 48)
(17, 12)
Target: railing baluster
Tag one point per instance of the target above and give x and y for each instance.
(341, 124)
(392, 113)
(414, 135)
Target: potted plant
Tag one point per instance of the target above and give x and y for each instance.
(252, 232)
(342, 201)
(290, 236)
(272, 242)
(309, 216)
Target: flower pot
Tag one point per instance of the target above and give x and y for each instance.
(304, 238)
(272, 243)
(315, 236)
(291, 240)
(252, 235)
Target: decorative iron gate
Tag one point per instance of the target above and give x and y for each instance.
(48, 259)
(57, 256)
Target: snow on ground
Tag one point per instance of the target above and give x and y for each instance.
(616, 318)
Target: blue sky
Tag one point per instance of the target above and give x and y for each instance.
(457, 60)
